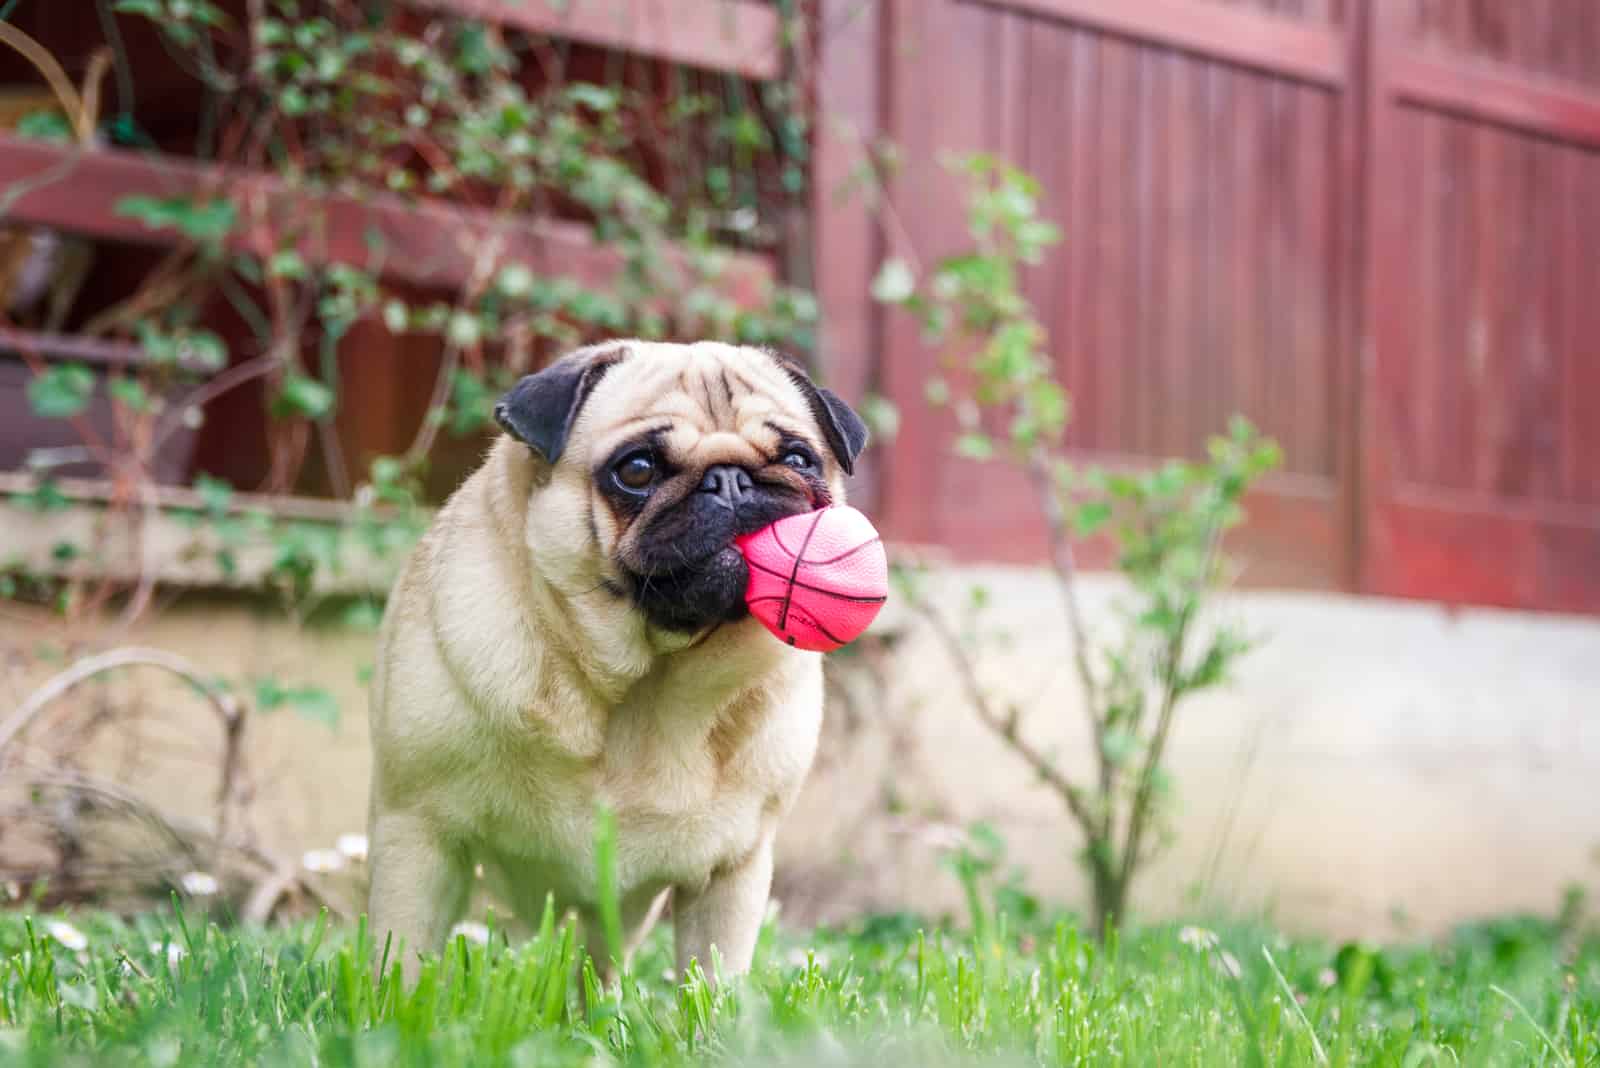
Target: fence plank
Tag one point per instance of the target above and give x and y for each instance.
(1491, 94)
(1271, 43)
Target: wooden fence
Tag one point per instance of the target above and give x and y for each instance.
(1369, 225)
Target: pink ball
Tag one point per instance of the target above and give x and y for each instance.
(818, 579)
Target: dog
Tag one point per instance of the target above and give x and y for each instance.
(571, 633)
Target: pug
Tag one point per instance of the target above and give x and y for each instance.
(571, 633)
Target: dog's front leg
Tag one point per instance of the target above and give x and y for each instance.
(725, 913)
(419, 888)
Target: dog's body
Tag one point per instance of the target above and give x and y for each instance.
(562, 639)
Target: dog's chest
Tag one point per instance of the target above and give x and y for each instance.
(687, 798)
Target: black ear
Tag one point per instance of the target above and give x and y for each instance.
(846, 433)
(540, 409)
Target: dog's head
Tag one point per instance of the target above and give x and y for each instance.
(654, 457)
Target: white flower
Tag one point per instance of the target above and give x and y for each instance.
(175, 952)
(353, 846)
(1229, 964)
(67, 935)
(1327, 977)
(472, 932)
(1198, 938)
(199, 884)
(323, 860)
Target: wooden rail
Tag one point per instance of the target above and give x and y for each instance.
(1293, 47)
(421, 241)
(1494, 94)
(739, 36)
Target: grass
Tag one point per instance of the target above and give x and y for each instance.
(168, 989)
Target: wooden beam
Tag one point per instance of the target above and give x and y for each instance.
(740, 36)
(1291, 47)
(159, 544)
(420, 241)
(1563, 111)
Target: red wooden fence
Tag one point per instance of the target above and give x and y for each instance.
(1482, 458)
(1366, 224)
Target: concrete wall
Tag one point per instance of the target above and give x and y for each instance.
(1375, 769)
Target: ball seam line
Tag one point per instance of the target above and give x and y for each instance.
(835, 594)
(799, 558)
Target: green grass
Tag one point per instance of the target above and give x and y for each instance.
(164, 989)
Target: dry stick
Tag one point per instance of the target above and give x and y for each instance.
(227, 708)
(232, 378)
(428, 432)
(129, 656)
(1063, 562)
(181, 832)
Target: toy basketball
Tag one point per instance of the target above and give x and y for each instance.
(818, 579)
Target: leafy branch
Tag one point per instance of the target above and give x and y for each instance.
(1165, 525)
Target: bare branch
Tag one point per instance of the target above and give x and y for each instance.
(1064, 564)
(226, 706)
(1005, 726)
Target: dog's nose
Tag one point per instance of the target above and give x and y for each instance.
(730, 483)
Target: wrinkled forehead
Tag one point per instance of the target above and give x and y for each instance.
(705, 397)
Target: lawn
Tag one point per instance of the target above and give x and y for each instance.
(164, 988)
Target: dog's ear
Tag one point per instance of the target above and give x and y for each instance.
(844, 430)
(540, 409)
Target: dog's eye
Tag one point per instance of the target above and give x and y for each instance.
(799, 459)
(635, 471)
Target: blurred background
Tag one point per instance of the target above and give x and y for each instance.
(265, 264)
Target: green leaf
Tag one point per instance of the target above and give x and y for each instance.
(471, 401)
(894, 283)
(304, 397)
(130, 393)
(215, 493)
(1090, 517)
(45, 497)
(204, 348)
(396, 317)
(150, 9)
(287, 263)
(464, 329)
(975, 446)
(515, 280)
(64, 390)
(597, 97)
(310, 702)
(45, 126)
(882, 416)
(209, 220)
(1119, 746)
(364, 614)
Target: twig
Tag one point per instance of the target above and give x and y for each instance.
(90, 666)
(1064, 564)
(428, 432)
(1005, 726)
(232, 378)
